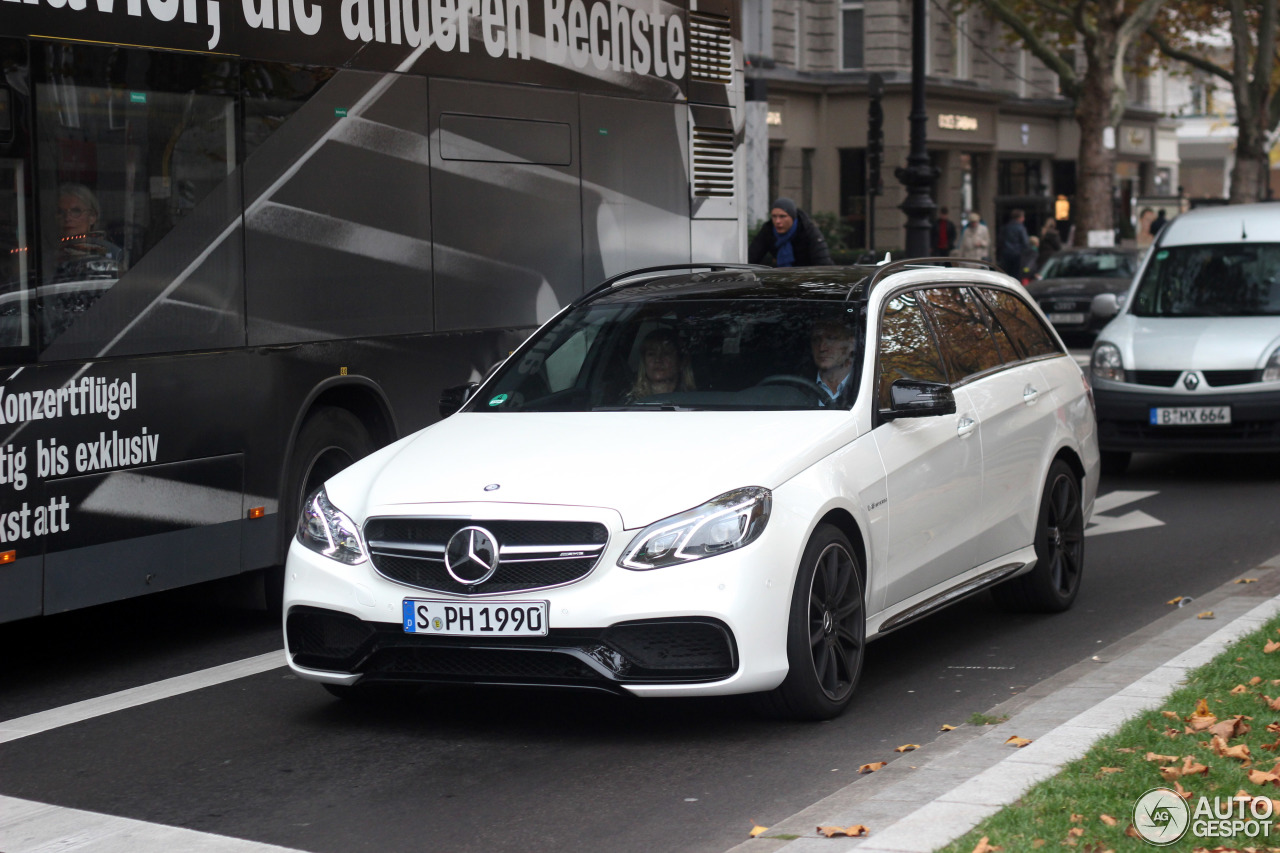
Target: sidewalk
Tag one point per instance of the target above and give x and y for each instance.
(927, 798)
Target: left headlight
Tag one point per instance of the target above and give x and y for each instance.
(327, 530)
(1271, 373)
(722, 524)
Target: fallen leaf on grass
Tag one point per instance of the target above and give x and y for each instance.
(855, 831)
(1077, 818)
(872, 767)
(1189, 768)
(1255, 681)
(756, 829)
(1202, 718)
(1155, 756)
(1038, 843)
(1017, 742)
(1270, 647)
(946, 728)
(984, 847)
(1273, 704)
(1107, 819)
(1234, 727)
(1181, 791)
(1110, 769)
(1264, 777)
(1220, 747)
(1076, 831)
(1126, 749)
(1171, 715)
(906, 747)
(1208, 614)
(1132, 832)
(1274, 728)
(1238, 689)
(1171, 733)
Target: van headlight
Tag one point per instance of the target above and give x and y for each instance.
(1271, 373)
(1106, 363)
(722, 524)
(327, 530)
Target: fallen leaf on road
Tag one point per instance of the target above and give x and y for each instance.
(984, 847)
(906, 747)
(855, 831)
(756, 829)
(1017, 742)
(1208, 614)
(1247, 580)
(1174, 600)
(946, 728)
(872, 767)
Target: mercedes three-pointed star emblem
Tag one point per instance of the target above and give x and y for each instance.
(471, 556)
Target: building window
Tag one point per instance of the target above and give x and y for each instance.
(851, 25)
(960, 46)
(1018, 178)
(800, 36)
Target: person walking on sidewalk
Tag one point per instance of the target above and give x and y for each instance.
(944, 234)
(791, 237)
(975, 242)
(1014, 243)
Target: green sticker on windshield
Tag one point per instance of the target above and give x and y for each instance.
(498, 400)
(1161, 255)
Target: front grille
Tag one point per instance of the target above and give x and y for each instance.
(658, 650)
(532, 554)
(1219, 378)
(1155, 378)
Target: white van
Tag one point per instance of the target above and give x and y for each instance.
(1191, 362)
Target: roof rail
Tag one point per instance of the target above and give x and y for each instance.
(646, 273)
(911, 263)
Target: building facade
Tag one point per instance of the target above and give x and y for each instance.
(999, 131)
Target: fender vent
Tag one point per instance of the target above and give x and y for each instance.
(710, 48)
(712, 162)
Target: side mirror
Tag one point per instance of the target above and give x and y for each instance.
(1105, 306)
(915, 398)
(452, 399)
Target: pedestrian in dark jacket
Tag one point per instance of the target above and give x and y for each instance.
(944, 234)
(1050, 243)
(790, 237)
(1014, 243)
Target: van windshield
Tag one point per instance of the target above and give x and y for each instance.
(683, 354)
(1223, 280)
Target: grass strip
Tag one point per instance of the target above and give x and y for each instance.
(1075, 808)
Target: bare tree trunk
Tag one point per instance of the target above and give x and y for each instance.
(1095, 163)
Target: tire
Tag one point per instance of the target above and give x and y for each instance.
(1052, 586)
(826, 632)
(1115, 462)
(330, 440)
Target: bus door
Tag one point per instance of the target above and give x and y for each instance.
(21, 567)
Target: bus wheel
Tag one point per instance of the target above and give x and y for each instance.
(330, 440)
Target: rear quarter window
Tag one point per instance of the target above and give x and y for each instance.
(1021, 323)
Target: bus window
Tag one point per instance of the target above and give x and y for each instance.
(131, 144)
(14, 257)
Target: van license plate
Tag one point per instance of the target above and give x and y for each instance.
(1191, 416)
(463, 619)
(1066, 319)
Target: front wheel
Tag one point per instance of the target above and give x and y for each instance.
(826, 631)
(1053, 584)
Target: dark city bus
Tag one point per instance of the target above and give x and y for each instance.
(245, 242)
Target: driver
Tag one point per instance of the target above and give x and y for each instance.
(833, 344)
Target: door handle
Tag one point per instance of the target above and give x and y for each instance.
(965, 427)
(1030, 395)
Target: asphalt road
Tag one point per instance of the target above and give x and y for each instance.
(274, 759)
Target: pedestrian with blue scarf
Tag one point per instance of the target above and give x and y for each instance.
(790, 237)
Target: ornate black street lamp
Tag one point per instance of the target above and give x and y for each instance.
(919, 175)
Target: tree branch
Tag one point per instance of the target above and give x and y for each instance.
(1037, 45)
(1194, 60)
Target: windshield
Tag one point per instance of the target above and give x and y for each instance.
(1225, 280)
(668, 355)
(1106, 265)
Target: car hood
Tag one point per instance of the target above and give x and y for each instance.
(1201, 343)
(644, 465)
(1076, 286)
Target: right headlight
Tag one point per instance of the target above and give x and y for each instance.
(328, 530)
(1271, 373)
(725, 523)
(1106, 363)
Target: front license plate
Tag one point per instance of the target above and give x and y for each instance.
(462, 619)
(1066, 319)
(1191, 416)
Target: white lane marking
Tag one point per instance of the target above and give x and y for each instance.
(1135, 520)
(44, 721)
(30, 827)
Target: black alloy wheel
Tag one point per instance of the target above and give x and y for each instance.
(1052, 586)
(826, 634)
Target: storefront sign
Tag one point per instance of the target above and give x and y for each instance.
(1135, 140)
(774, 119)
(949, 121)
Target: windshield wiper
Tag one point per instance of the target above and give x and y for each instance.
(645, 407)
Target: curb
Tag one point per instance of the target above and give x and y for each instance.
(968, 774)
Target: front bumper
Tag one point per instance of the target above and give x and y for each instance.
(1124, 422)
